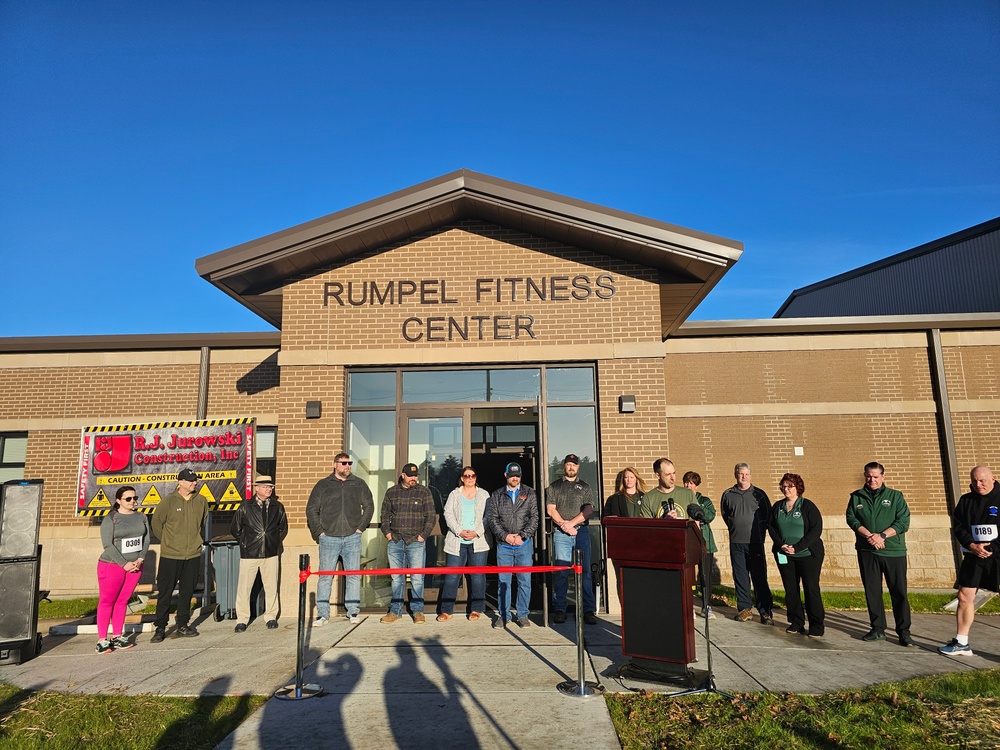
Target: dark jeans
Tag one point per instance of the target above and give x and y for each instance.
(804, 570)
(466, 557)
(749, 564)
(893, 569)
(184, 575)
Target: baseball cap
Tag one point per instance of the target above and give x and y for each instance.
(572, 458)
(186, 475)
(512, 470)
(263, 479)
(410, 470)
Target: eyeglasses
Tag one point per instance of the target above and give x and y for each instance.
(468, 476)
(786, 486)
(132, 499)
(346, 463)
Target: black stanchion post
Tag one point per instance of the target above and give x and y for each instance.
(298, 691)
(581, 688)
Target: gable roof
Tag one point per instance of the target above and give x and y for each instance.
(255, 272)
(956, 274)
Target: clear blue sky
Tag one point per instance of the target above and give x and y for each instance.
(137, 137)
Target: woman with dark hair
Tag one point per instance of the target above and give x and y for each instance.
(692, 480)
(125, 536)
(795, 527)
(465, 544)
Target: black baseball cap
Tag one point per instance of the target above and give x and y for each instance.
(410, 470)
(572, 458)
(512, 470)
(186, 475)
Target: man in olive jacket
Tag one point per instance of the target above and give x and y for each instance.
(178, 522)
(339, 509)
(880, 518)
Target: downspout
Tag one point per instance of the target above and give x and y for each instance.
(201, 414)
(946, 432)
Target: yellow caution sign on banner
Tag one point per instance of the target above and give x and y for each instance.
(207, 493)
(231, 494)
(100, 500)
(152, 497)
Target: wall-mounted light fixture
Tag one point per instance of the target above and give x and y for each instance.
(626, 404)
(314, 409)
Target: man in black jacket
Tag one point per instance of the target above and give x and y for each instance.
(339, 509)
(260, 526)
(975, 524)
(512, 516)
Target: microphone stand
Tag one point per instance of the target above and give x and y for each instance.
(708, 686)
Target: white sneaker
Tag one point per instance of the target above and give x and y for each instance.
(354, 619)
(320, 622)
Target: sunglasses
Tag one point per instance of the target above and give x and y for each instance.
(468, 476)
(346, 463)
(132, 499)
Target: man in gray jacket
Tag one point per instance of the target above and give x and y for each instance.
(746, 510)
(338, 511)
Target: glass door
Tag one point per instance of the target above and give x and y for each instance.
(436, 442)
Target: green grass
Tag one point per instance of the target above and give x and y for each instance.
(954, 710)
(59, 609)
(855, 600)
(30, 719)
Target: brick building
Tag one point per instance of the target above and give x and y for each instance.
(469, 320)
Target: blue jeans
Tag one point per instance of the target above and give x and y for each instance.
(520, 557)
(466, 556)
(347, 548)
(403, 555)
(749, 564)
(562, 550)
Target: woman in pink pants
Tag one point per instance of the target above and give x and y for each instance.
(125, 535)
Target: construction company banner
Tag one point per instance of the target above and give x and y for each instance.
(148, 457)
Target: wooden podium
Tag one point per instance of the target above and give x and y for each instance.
(656, 559)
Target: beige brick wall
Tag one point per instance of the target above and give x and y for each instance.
(457, 256)
(841, 404)
(631, 439)
(306, 447)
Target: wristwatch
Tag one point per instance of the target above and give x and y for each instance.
(882, 534)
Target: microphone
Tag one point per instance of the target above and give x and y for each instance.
(696, 512)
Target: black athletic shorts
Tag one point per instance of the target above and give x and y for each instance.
(980, 573)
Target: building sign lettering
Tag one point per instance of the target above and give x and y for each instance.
(485, 291)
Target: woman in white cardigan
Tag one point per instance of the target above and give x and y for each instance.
(465, 545)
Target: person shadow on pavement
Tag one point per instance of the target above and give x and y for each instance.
(425, 702)
(178, 734)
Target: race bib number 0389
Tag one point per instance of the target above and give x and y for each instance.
(131, 544)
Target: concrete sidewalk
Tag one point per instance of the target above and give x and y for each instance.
(462, 683)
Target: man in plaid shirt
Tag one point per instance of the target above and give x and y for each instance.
(408, 517)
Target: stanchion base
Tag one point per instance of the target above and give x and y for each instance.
(289, 693)
(572, 689)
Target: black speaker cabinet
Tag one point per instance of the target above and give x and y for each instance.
(19, 579)
(20, 517)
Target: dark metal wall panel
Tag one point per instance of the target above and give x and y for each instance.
(960, 278)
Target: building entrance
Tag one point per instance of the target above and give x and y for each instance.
(444, 419)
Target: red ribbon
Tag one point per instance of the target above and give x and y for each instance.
(472, 569)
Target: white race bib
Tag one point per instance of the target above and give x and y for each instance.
(984, 532)
(131, 544)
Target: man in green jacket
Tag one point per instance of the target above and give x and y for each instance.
(178, 522)
(880, 517)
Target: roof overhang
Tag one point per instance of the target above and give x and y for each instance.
(839, 324)
(254, 273)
